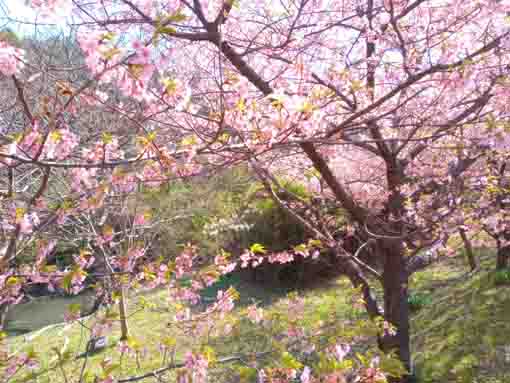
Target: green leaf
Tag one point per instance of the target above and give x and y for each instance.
(315, 243)
(302, 248)
(190, 140)
(170, 84)
(134, 344)
(111, 53)
(209, 354)
(166, 30)
(107, 137)
(392, 366)
(74, 308)
(247, 374)
(89, 377)
(108, 36)
(67, 280)
(31, 353)
(11, 281)
(151, 136)
(362, 359)
(289, 361)
(169, 341)
(109, 368)
(62, 352)
(257, 248)
(185, 282)
(177, 17)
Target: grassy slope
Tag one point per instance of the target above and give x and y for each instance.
(464, 335)
(458, 337)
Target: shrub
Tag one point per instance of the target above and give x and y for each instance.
(502, 277)
(203, 211)
(418, 300)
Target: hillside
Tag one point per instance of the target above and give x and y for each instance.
(463, 335)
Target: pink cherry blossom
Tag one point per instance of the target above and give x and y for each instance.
(341, 350)
(255, 314)
(11, 59)
(305, 376)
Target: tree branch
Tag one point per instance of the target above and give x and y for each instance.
(174, 366)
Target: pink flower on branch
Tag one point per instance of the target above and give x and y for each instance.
(197, 367)
(255, 314)
(44, 249)
(11, 59)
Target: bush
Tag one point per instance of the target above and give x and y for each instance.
(418, 301)
(233, 211)
(502, 277)
(203, 211)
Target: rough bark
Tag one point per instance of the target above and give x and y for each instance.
(503, 257)
(396, 308)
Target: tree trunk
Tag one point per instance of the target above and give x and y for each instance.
(358, 280)
(4, 310)
(503, 257)
(473, 262)
(123, 314)
(396, 308)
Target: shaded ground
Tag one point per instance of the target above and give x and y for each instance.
(42, 312)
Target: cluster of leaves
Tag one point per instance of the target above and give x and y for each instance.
(418, 301)
(502, 277)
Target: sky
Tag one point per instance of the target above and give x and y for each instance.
(19, 11)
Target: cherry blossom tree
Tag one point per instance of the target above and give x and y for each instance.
(386, 103)
(485, 209)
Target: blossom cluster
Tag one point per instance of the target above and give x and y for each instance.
(11, 59)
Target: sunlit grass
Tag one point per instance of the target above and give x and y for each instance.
(459, 335)
(464, 334)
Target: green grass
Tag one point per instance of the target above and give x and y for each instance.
(149, 320)
(148, 326)
(463, 336)
(458, 333)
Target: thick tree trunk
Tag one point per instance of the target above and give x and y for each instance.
(473, 262)
(396, 308)
(502, 258)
